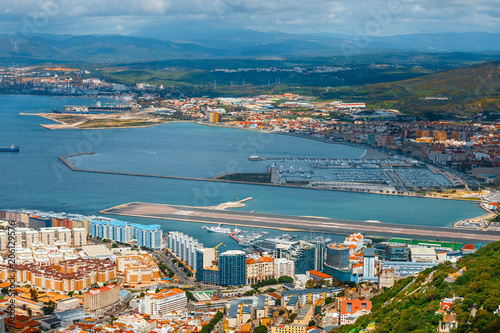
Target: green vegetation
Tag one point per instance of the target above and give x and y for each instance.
(210, 326)
(496, 219)
(260, 329)
(164, 268)
(285, 279)
(49, 308)
(396, 310)
(264, 283)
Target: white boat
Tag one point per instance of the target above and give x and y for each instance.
(218, 229)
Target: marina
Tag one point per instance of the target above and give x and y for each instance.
(297, 223)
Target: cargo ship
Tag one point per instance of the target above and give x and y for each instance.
(11, 149)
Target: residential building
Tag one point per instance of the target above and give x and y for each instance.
(138, 268)
(166, 301)
(68, 276)
(301, 252)
(100, 298)
(185, 248)
(260, 269)
(232, 268)
(79, 236)
(284, 267)
(149, 235)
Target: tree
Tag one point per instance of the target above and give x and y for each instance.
(142, 294)
(5, 291)
(49, 308)
(157, 290)
(312, 322)
(285, 279)
(30, 312)
(260, 329)
(33, 294)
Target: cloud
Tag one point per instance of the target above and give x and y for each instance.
(345, 16)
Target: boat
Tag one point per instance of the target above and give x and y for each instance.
(11, 149)
(218, 229)
(72, 110)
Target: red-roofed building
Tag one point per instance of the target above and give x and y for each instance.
(318, 276)
(353, 309)
(260, 269)
(101, 297)
(166, 301)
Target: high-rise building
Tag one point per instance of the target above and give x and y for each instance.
(214, 117)
(232, 268)
(185, 247)
(149, 235)
(337, 255)
(119, 231)
(63, 235)
(320, 255)
(284, 267)
(79, 236)
(302, 253)
(204, 258)
(47, 236)
(31, 236)
(368, 263)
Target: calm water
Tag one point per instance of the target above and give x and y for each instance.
(34, 178)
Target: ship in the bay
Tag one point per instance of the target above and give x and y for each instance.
(72, 110)
(11, 149)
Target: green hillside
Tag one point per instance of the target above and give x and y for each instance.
(469, 90)
(413, 309)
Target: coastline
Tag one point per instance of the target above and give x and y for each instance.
(63, 125)
(72, 167)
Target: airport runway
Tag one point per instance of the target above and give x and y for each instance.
(299, 223)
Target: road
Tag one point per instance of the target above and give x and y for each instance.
(299, 223)
(167, 260)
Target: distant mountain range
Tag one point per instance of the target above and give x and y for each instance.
(16, 48)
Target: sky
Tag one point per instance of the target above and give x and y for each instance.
(170, 18)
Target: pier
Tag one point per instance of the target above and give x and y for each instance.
(298, 223)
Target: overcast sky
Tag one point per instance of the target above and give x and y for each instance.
(162, 17)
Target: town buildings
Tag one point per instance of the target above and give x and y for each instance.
(100, 298)
(164, 302)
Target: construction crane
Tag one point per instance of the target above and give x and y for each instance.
(216, 253)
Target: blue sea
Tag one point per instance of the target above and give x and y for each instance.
(36, 179)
